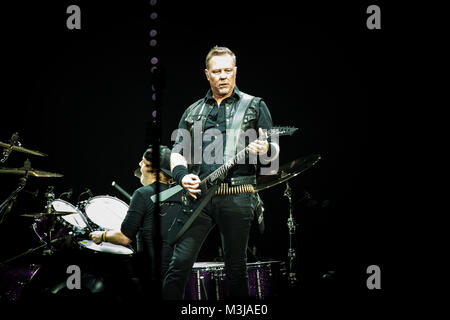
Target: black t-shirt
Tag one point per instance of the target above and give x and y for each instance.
(139, 220)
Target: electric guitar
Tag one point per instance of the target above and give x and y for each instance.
(212, 181)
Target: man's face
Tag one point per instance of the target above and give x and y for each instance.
(147, 174)
(221, 75)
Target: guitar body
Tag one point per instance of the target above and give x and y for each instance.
(189, 203)
(189, 207)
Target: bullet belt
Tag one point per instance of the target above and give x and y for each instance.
(226, 189)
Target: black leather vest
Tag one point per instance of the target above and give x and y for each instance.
(198, 112)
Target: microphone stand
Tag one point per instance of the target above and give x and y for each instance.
(291, 227)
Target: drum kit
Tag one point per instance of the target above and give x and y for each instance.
(64, 227)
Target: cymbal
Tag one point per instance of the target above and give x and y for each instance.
(31, 172)
(22, 149)
(46, 214)
(287, 172)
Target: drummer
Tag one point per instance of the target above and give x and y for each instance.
(139, 220)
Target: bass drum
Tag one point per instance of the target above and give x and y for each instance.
(106, 212)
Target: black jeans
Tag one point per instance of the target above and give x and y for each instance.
(233, 215)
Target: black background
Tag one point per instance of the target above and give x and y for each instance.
(84, 98)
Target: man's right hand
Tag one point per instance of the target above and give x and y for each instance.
(190, 183)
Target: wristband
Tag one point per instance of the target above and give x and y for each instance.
(265, 159)
(179, 172)
(104, 236)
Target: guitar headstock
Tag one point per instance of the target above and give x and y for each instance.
(281, 131)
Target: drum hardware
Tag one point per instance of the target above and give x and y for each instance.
(82, 206)
(15, 145)
(285, 173)
(50, 196)
(67, 194)
(31, 251)
(291, 227)
(201, 279)
(89, 225)
(86, 191)
(6, 205)
(34, 194)
(252, 252)
(46, 214)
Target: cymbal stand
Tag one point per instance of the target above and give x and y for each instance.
(6, 205)
(23, 254)
(291, 227)
(50, 195)
(13, 142)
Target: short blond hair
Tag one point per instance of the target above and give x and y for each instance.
(219, 51)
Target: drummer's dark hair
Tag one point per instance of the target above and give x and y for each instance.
(148, 155)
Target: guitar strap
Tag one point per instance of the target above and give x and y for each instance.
(230, 152)
(233, 136)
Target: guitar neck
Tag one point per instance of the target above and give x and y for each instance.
(222, 171)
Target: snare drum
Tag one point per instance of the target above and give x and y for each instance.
(106, 212)
(263, 278)
(207, 282)
(64, 225)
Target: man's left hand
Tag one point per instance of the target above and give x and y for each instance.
(260, 147)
